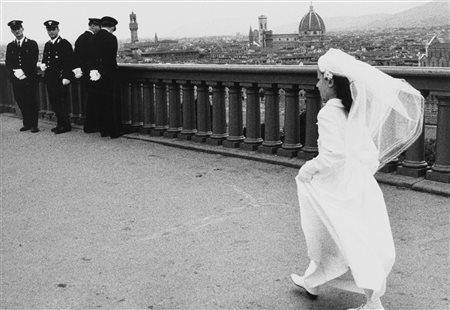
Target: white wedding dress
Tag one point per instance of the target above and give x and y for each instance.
(343, 213)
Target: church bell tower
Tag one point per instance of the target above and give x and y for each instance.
(133, 28)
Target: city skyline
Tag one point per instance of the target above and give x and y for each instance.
(176, 19)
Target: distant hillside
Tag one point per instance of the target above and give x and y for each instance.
(351, 22)
(434, 13)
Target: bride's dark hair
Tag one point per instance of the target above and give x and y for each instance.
(343, 92)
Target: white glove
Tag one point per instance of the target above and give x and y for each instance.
(65, 82)
(18, 73)
(95, 75)
(304, 175)
(43, 67)
(78, 73)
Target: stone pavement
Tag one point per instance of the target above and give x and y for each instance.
(89, 222)
(419, 184)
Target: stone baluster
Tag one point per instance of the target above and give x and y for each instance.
(136, 106)
(71, 91)
(236, 127)
(390, 166)
(219, 123)
(272, 141)
(42, 98)
(82, 96)
(4, 91)
(414, 164)
(203, 113)
(76, 99)
(313, 104)
(291, 145)
(174, 110)
(10, 96)
(253, 138)
(13, 107)
(189, 123)
(44, 103)
(82, 99)
(148, 107)
(440, 171)
(161, 109)
(126, 109)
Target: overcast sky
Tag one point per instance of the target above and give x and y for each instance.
(179, 18)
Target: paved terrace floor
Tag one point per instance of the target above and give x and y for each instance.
(89, 222)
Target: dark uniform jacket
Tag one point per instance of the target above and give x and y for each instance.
(104, 50)
(82, 52)
(59, 59)
(24, 57)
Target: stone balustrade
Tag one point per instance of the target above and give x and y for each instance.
(270, 109)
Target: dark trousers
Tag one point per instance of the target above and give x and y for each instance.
(90, 101)
(107, 96)
(57, 95)
(25, 95)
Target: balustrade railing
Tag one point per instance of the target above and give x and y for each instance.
(241, 106)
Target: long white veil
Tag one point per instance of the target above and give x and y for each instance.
(391, 109)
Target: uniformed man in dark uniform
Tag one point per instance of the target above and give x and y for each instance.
(103, 74)
(21, 61)
(83, 58)
(57, 63)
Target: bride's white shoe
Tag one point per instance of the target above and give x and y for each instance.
(300, 282)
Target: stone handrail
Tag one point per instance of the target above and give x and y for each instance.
(271, 109)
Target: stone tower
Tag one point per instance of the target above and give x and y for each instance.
(133, 28)
(250, 36)
(262, 27)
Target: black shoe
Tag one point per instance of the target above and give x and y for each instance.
(89, 130)
(34, 129)
(62, 130)
(25, 128)
(115, 136)
(56, 128)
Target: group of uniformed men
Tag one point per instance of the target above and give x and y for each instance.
(93, 61)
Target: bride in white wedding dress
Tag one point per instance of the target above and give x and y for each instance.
(369, 118)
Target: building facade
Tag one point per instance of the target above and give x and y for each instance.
(311, 32)
(437, 53)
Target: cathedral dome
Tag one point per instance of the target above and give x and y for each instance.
(311, 23)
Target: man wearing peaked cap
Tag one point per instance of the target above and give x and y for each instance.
(21, 61)
(103, 74)
(15, 24)
(57, 63)
(108, 21)
(51, 24)
(82, 60)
